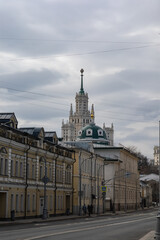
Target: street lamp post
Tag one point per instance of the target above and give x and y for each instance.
(45, 180)
(80, 181)
(98, 188)
(157, 233)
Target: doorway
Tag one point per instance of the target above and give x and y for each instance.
(3, 205)
(68, 203)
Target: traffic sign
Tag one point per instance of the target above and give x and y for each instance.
(103, 188)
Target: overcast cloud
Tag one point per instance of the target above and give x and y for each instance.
(45, 43)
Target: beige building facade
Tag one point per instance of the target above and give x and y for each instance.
(121, 178)
(88, 174)
(26, 157)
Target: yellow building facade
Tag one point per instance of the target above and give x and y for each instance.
(88, 174)
(26, 161)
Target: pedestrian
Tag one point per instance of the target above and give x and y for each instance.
(89, 210)
(84, 209)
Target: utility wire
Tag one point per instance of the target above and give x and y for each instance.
(33, 93)
(72, 40)
(85, 53)
(64, 110)
(63, 104)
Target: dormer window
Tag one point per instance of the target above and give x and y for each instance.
(89, 132)
(100, 133)
(79, 133)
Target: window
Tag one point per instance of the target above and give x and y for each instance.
(21, 169)
(12, 202)
(61, 202)
(16, 170)
(33, 203)
(1, 166)
(50, 174)
(40, 172)
(17, 203)
(100, 132)
(27, 170)
(21, 204)
(12, 168)
(51, 202)
(47, 202)
(89, 132)
(28, 202)
(68, 177)
(33, 171)
(6, 167)
(79, 133)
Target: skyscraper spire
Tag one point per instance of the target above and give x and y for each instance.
(71, 110)
(92, 113)
(81, 89)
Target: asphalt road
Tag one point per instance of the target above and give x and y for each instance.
(127, 227)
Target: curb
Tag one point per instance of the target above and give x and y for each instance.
(61, 218)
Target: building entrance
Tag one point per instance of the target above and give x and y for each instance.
(68, 204)
(3, 205)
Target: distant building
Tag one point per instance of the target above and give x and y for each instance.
(119, 171)
(82, 117)
(121, 176)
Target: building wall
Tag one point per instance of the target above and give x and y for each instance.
(91, 178)
(123, 189)
(22, 168)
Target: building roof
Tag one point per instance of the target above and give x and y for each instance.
(32, 131)
(93, 133)
(150, 177)
(6, 117)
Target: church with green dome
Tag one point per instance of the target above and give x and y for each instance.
(93, 133)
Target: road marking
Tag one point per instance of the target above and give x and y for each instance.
(84, 229)
(40, 224)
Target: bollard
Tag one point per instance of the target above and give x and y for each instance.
(157, 233)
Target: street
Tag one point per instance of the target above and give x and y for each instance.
(131, 226)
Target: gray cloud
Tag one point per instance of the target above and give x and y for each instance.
(37, 46)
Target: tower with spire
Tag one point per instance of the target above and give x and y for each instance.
(80, 118)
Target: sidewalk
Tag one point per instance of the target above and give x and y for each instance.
(50, 219)
(149, 236)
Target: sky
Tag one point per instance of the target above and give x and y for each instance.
(45, 43)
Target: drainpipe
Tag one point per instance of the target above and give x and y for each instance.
(72, 182)
(55, 184)
(26, 181)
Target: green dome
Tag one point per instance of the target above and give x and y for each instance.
(92, 132)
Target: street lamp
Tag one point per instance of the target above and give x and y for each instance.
(98, 188)
(157, 233)
(45, 180)
(80, 181)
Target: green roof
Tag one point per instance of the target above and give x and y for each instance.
(92, 131)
